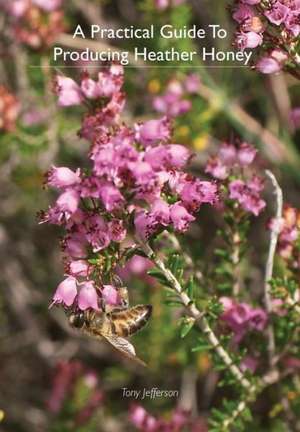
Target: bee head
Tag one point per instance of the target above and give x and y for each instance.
(77, 319)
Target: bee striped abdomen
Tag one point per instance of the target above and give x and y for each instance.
(127, 322)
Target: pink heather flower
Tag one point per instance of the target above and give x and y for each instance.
(66, 292)
(227, 303)
(278, 307)
(178, 155)
(65, 206)
(111, 197)
(68, 202)
(142, 172)
(268, 65)
(278, 13)
(76, 245)
(99, 240)
(145, 225)
(249, 39)
(292, 24)
(63, 382)
(192, 83)
(69, 92)
(171, 104)
(242, 13)
(137, 415)
(249, 363)
(247, 194)
(79, 268)
(227, 154)
(91, 379)
(246, 154)
(255, 184)
(35, 116)
(111, 80)
(110, 295)
(137, 265)
(88, 297)
(62, 177)
(168, 156)
(216, 168)
(291, 362)
(289, 232)
(289, 235)
(241, 318)
(142, 420)
(163, 4)
(48, 5)
(295, 117)
(179, 419)
(90, 88)
(196, 192)
(257, 319)
(97, 232)
(161, 212)
(237, 188)
(150, 132)
(180, 217)
(16, 8)
(279, 55)
(117, 232)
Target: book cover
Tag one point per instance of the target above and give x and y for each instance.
(149, 233)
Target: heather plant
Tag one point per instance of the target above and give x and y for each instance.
(75, 395)
(178, 208)
(137, 198)
(272, 28)
(34, 22)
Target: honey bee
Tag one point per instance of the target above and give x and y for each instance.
(114, 325)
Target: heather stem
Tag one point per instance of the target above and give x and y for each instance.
(249, 397)
(235, 257)
(199, 318)
(270, 263)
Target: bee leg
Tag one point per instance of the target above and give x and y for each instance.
(123, 293)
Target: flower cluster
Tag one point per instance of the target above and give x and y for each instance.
(288, 240)
(174, 101)
(294, 117)
(272, 25)
(70, 378)
(36, 23)
(164, 4)
(136, 188)
(137, 266)
(242, 318)
(230, 165)
(9, 109)
(180, 420)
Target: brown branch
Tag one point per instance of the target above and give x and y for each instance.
(273, 147)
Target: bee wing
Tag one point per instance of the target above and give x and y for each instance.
(124, 346)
